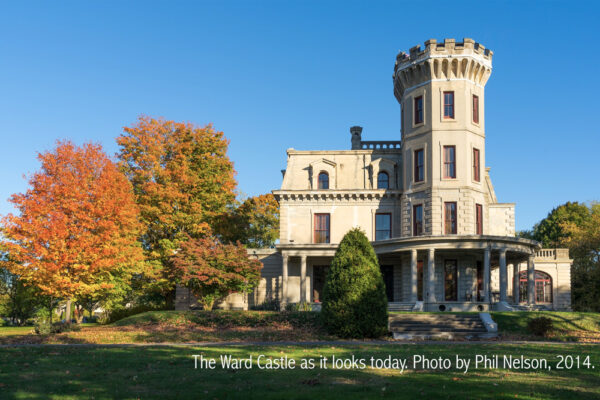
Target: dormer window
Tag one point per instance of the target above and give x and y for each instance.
(323, 180)
(383, 180)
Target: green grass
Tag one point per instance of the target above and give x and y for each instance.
(567, 325)
(167, 372)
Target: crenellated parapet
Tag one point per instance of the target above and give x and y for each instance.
(447, 60)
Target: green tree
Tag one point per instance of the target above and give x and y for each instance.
(18, 302)
(354, 299)
(551, 232)
(583, 240)
(254, 222)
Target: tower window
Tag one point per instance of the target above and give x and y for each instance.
(450, 218)
(383, 180)
(449, 105)
(476, 167)
(450, 162)
(419, 166)
(418, 110)
(323, 180)
(476, 109)
(418, 220)
(321, 228)
(478, 219)
(383, 226)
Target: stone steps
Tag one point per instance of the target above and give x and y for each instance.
(447, 326)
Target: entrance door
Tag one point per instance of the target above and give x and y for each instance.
(388, 278)
(319, 275)
(420, 280)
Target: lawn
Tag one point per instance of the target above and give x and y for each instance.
(270, 326)
(165, 372)
(186, 327)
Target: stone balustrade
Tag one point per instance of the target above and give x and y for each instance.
(379, 144)
(552, 254)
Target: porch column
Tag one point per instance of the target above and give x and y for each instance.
(531, 280)
(413, 275)
(431, 276)
(503, 276)
(284, 279)
(302, 278)
(516, 283)
(486, 276)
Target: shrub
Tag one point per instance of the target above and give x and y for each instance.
(120, 313)
(267, 305)
(540, 326)
(354, 299)
(302, 306)
(43, 327)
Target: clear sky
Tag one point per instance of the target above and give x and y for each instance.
(281, 74)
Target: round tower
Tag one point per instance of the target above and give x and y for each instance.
(441, 93)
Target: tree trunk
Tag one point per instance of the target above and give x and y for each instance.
(50, 310)
(68, 312)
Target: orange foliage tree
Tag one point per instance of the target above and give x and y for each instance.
(78, 228)
(182, 180)
(211, 270)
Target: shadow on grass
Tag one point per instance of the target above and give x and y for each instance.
(167, 372)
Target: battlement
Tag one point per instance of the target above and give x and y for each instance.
(447, 60)
(448, 47)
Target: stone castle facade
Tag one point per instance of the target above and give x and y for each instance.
(427, 203)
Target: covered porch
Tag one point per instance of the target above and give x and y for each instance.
(426, 273)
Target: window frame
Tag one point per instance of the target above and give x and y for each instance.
(451, 222)
(322, 173)
(478, 219)
(389, 215)
(415, 225)
(475, 106)
(327, 230)
(476, 165)
(419, 169)
(418, 114)
(388, 179)
(448, 163)
(448, 106)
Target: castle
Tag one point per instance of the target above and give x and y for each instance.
(426, 202)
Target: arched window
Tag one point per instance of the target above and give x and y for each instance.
(323, 180)
(383, 180)
(543, 287)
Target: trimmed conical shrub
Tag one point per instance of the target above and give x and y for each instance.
(354, 299)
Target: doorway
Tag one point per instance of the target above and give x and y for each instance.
(387, 271)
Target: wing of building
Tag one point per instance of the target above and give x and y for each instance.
(426, 201)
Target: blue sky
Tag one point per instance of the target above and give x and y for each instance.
(275, 75)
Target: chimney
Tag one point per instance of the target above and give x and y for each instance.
(356, 132)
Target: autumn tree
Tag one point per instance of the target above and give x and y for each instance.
(77, 226)
(212, 270)
(182, 180)
(254, 222)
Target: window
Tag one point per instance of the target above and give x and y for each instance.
(419, 166)
(450, 162)
(475, 109)
(321, 228)
(383, 226)
(449, 105)
(323, 180)
(450, 281)
(543, 287)
(383, 180)
(418, 220)
(478, 219)
(420, 280)
(476, 168)
(418, 110)
(450, 218)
